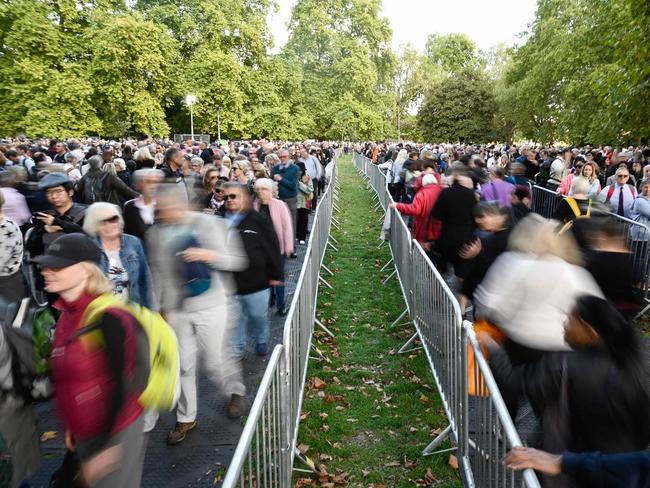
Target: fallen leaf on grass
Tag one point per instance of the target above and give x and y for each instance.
(453, 461)
(304, 415)
(46, 436)
(323, 415)
(393, 464)
(303, 482)
(424, 398)
(365, 472)
(336, 380)
(325, 457)
(435, 432)
(325, 428)
(317, 383)
(303, 448)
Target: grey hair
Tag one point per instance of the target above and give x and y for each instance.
(580, 185)
(141, 174)
(196, 160)
(96, 213)
(95, 162)
(263, 183)
(272, 159)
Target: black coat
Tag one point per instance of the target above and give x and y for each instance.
(263, 251)
(133, 223)
(586, 400)
(454, 208)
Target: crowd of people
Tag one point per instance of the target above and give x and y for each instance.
(198, 233)
(555, 298)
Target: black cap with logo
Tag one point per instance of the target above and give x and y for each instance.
(69, 249)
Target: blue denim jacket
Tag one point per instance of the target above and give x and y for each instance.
(135, 263)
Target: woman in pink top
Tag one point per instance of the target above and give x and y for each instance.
(278, 212)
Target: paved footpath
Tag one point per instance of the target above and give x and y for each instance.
(202, 459)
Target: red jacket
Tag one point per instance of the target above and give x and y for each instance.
(425, 228)
(84, 383)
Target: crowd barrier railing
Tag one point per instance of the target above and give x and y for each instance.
(266, 450)
(480, 430)
(636, 236)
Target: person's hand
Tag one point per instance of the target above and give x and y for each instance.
(208, 211)
(527, 457)
(197, 254)
(275, 283)
(46, 218)
(52, 228)
(392, 205)
(101, 465)
(277, 177)
(69, 441)
(471, 250)
(485, 341)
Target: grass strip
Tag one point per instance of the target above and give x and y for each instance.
(369, 411)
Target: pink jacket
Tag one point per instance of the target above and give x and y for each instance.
(282, 224)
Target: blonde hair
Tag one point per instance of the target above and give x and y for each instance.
(110, 168)
(97, 212)
(97, 283)
(540, 237)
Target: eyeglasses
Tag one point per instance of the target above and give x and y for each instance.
(622, 176)
(111, 220)
(55, 191)
(231, 196)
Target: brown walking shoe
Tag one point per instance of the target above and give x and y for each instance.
(179, 433)
(235, 408)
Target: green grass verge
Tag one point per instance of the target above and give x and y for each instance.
(369, 412)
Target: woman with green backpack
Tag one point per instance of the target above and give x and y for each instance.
(99, 366)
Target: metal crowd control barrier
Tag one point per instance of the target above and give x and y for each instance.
(492, 432)
(265, 453)
(435, 312)
(544, 201)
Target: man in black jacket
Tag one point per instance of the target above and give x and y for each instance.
(102, 186)
(263, 271)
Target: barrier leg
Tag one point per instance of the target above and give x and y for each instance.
(405, 347)
(389, 277)
(319, 354)
(645, 309)
(327, 269)
(307, 461)
(333, 239)
(401, 316)
(322, 280)
(387, 264)
(429, 450)
(332, 246)
(381, 244)
(325, 329)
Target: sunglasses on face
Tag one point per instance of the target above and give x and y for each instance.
(231, 196)
(623, 176)
(111, 220)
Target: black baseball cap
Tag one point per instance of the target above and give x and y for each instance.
(69, 249)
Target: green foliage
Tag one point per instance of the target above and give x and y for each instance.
(583, 74)
(460, 108)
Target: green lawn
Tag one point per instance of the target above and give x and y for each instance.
(368, 413)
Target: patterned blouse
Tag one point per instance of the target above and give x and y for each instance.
(11, 247)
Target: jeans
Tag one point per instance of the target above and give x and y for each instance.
(253, 320)
(277, 292)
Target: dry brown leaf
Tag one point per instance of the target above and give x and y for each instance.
(365, 472)
(316, 382)
(303, 482)
(325, 428)
(453, 461)
(325, 457)
(304, 415)
(337, 445)
(340, 479)
(303, 448)
(435, 432)
(336, 380)
(392, 464)
(50, 434)
(424, 398)
(323, 415)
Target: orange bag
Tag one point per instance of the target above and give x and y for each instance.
(475, 386)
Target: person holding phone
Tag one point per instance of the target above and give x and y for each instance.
(65, 217)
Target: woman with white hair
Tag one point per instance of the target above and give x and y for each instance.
(530, 290)
(123, 259)
(278, 213)
(425, 228)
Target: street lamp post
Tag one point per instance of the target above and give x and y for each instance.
(219, 124)
(190, 100)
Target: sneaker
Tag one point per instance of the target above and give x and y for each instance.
(293, 255)
(235, 408)
(179, 433)
(301, 242)
(282, 311)
(262, 349)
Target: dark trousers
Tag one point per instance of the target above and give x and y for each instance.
(303, 220)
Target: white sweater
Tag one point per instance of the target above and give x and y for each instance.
(530, 297)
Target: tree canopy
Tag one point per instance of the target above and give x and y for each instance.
(116, 68)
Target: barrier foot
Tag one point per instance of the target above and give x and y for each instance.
(336, 208)
(307, 461)
(381, 244)
(647, 307)
(322, 280)
(405, 347)
(333, 239)
(335, 220)
(389, 277)
(332, 246)
(327, 269)
(429, 450)
(388, 263)
(401, 316)
(325, 329)
(336, 226)
(319, 355)
(381, 219)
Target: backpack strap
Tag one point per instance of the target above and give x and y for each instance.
(610, 192)
(588, 214)
(574, 206)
